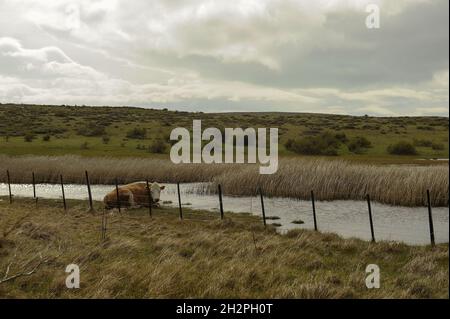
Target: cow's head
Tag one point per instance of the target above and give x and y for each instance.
(155, 190)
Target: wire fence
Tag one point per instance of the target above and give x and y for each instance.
(317, 218)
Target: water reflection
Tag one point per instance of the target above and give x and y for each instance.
(346, 218)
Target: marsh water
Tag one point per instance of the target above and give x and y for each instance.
(347, 218)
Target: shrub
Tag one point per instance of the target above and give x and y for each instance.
(289, 144)
(341, 137)
(359, 144)
(137, 133)
(324, 144)
(425, 128)
(438, 146)
(92, 129)
(158, 146)
(402, 148)
(28, 137)
(423, 143)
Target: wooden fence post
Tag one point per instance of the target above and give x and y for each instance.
(314, 210)
(150, 200)
(179, 200)
(91, 206)
(430, 219)
(262, 206)
(117, 195)
(370, 218)
(63, 194)
(220, 201)
(9, 186)
(34, 187)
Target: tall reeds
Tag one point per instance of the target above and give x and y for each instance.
(330, 179)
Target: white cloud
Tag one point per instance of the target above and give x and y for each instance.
(292, 55)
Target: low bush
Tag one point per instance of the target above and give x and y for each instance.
(324, 144)
(28, 137)
(158, 146)
(402, 148)
(341, 137)
(438, 146)
(137, 133)
(422, 143)
(359, 144)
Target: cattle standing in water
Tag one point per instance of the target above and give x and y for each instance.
(133, 195)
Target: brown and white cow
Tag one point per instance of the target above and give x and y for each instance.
(133, 195)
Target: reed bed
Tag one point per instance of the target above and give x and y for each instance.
(295, 178)
(343, 180)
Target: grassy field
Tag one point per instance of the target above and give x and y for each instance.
(200, 256)
(107, 131)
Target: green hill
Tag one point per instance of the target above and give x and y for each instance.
(138, 132)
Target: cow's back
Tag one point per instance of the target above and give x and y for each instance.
(140, 193)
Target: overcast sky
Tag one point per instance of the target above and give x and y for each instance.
(252, 55)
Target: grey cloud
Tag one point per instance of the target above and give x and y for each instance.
(205, 55)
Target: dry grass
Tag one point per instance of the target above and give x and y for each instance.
(337, 179)
(330, 179)
(200, 256)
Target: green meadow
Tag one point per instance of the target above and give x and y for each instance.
(138, 132)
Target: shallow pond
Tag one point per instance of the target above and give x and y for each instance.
(346, 218)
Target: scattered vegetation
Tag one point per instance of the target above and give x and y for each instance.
(70, 126)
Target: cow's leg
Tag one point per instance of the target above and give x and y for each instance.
(130, 199)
